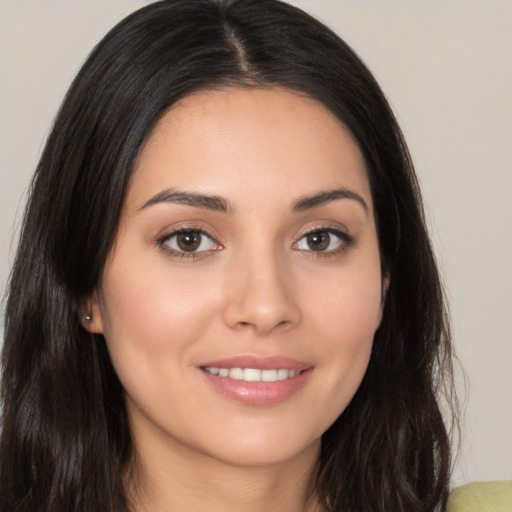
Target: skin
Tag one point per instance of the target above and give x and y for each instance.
(255, 287)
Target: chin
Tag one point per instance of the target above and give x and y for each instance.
(263, 448)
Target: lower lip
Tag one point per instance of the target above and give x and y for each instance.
(258, 393)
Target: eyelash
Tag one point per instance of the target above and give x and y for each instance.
(346, 241)
(162, 242)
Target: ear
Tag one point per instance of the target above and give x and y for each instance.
(384, 292)
(385, 287)
(90, 314)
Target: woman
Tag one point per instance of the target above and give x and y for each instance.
(224, 295)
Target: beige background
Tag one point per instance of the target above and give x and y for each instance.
(446, 66)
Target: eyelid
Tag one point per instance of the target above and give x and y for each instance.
(346, 240)
(166, 235)
(342, 233)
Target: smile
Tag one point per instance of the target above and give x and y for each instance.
(253, 374)
(255, 380)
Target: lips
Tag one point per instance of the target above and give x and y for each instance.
(255, 380)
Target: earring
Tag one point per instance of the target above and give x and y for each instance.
(87, 318)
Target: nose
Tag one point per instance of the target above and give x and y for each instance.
(260, 296)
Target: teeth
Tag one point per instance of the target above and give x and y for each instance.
(236, 373)
(252, 374)
(282, 374)
(269, 375)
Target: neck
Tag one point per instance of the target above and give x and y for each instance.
(195, 482)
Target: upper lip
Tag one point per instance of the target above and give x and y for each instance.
(259, 362)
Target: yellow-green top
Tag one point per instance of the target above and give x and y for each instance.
(482, 497)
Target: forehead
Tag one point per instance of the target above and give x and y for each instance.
(269, 140)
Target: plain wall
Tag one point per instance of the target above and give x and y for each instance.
(446, 67)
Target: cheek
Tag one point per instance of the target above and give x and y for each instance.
(349, 305)
(152, 322)
(345, 316)
(149, 297)
(149, 315)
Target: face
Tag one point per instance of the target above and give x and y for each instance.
(243, 290)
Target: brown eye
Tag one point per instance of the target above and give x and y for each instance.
(318, 240)
(189, 241)
(328, 240)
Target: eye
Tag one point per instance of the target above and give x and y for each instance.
(188, 242)
(324, 240)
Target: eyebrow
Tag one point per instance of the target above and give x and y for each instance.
(219, 204)
(215, 203)
(322, 198)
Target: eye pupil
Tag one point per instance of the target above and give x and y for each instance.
(188, 241)
(318, 241)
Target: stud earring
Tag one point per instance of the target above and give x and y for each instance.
(87, 318)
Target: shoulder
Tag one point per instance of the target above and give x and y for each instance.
(482, 497)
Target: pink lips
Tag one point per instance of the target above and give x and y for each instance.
(258, 393)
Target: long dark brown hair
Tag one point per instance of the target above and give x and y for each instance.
(65, 436)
